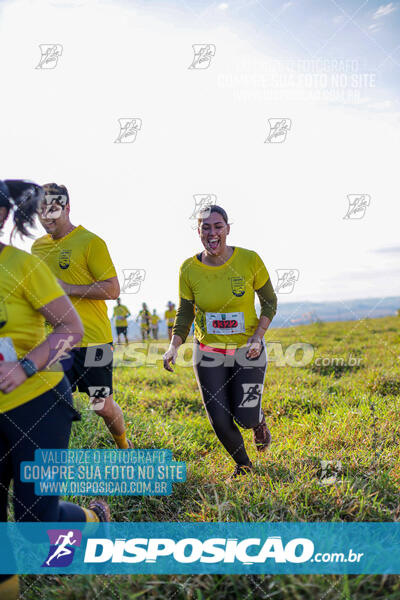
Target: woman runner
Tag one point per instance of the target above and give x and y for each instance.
(35, 398)
(216, 288)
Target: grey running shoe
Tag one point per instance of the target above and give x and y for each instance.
(262, 436)
(102, 510)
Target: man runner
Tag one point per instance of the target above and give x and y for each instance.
(144, 316)
(169, 316)
(81, 262)
(121, 314)
(154, 324)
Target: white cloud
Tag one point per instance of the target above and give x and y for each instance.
(286, 6)
(384, 10)
(384, 105)
(374, 27)
(338, 19)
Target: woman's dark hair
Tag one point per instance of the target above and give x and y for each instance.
(4, 196)
(22, 197)
(211, 209)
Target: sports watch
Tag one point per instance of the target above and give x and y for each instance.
(28, 366)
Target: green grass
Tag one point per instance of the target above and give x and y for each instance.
(344, 414)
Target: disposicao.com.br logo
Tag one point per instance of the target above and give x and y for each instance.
(62, 547)
(213, 550)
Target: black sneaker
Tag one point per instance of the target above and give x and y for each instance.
(101, 509)
(262, 436)
(240, 470)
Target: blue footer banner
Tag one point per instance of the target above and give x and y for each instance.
(173, 548)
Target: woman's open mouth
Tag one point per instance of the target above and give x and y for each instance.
(213, 243)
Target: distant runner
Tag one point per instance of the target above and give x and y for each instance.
(170, 315)
(217, 288)
(144, 317)
(154, 324)
(120, 315)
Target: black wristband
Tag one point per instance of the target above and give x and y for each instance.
(28, 366)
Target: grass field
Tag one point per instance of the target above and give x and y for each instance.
(344, 412)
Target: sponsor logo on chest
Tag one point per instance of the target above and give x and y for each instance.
(238, 286)
(64, 259)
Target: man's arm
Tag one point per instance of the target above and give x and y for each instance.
(100, 265)
(108, 289)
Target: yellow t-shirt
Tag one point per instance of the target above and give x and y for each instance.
(154, 319)
(121, 311)
(26, 284)
(170, 316)
(224, 297)
(144, 316)
(81, 258)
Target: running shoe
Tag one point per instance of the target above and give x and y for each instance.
(102, 510)
(239, 471)
(262, 436)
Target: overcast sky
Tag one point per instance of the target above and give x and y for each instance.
(331, 69)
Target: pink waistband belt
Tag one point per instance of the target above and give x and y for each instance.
(205, 348)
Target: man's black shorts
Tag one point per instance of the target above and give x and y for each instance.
(89, 370)
(122, 330)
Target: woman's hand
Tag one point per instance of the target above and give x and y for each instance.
(254, 350)
(170, 357)
(12, 375)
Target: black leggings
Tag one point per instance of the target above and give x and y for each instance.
(44, 422)
(231, 389)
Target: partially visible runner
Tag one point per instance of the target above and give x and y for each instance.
(154, 324)
(217, 289)
(170, 315)
(36, 409)
(121, 314)
(81, 262)
(144, 317)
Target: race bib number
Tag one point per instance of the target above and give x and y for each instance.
(225, 323)
(7, 350)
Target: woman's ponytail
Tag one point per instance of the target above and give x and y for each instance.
(24, 198)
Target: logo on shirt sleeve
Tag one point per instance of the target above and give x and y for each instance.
(64, 259)
(238, 286)
(3, 313)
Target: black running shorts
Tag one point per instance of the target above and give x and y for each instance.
(90, 370)
(122, 330)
